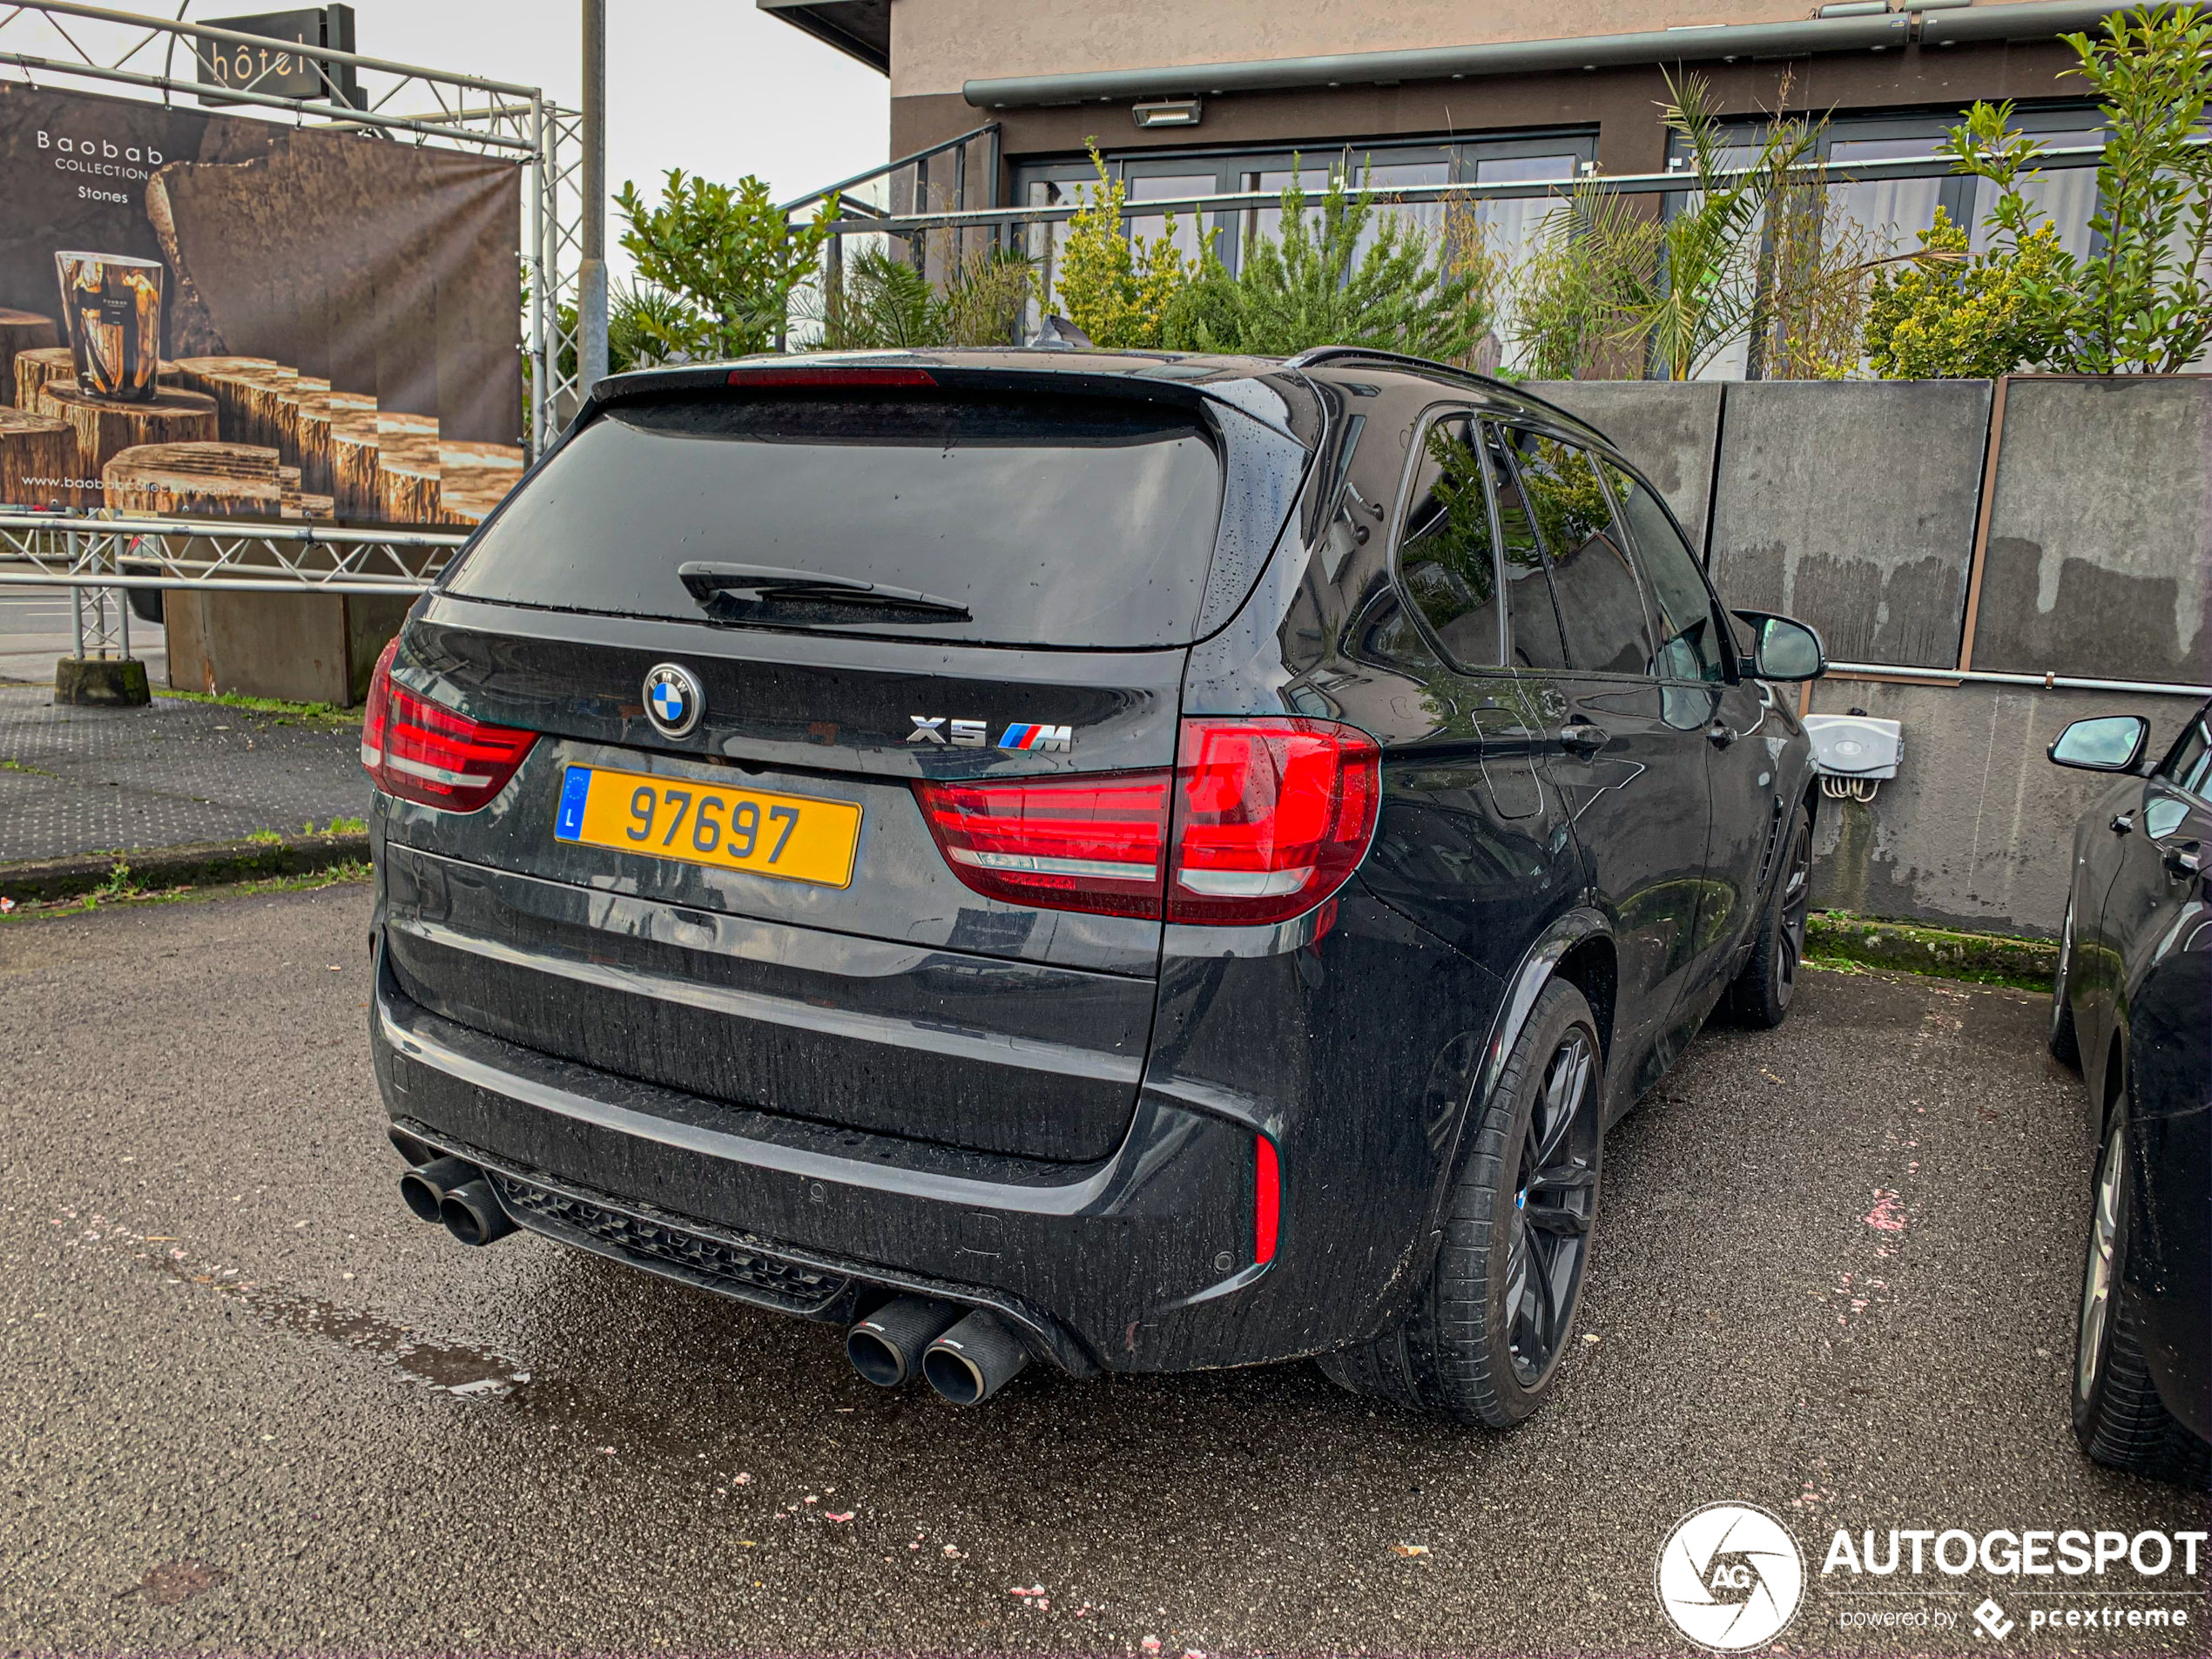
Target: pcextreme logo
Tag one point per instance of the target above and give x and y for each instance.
(1730, 1577)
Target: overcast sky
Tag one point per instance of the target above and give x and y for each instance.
(712, 86)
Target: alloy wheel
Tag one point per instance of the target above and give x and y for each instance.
(1555, 1197)
(1796, 904)
(2097, 1271)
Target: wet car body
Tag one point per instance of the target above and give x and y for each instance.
(2132, 1007)
(804, 1096)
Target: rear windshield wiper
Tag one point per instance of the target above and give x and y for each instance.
(748, 592)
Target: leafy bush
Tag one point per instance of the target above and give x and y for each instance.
(1119, 288)
(1949, 315)
(2143, 305)
(727, 255)
(1314, 285)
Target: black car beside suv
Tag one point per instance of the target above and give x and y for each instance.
(1134, 862)
(2131, 1008)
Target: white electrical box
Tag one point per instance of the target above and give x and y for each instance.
(1855, 746)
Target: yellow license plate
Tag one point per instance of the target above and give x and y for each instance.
(793, 837)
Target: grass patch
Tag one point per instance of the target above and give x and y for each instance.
(120, 890)
(1837, 940)
(17, 765)
(290, 711)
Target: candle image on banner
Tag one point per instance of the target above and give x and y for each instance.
(111, 305)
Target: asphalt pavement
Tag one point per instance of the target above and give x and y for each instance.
(249, 1404)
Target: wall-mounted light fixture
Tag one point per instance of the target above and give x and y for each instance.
(1170, 112)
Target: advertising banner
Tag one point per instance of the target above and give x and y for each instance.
(218, 316)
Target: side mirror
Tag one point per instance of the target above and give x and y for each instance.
(1783, 649)
(2108, 743)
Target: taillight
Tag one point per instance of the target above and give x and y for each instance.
(419, 751)
(1269, 817)
(1084, 843)
(1267, 1199)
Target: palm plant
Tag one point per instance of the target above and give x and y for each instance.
(1705, 293)
(883, 302)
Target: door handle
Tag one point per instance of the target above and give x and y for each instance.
(2122, 822)
(2184, 860)
(1583, 737)
(1722, 734)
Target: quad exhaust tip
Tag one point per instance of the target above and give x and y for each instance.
(455, 1191)
(885, 1348)
(973, 1360)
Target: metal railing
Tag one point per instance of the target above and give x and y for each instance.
(96, 556)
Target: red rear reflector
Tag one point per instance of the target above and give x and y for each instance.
(1271, 817)
(419, 751)
(832, 377)
(1083, 843)
(1267, 1199)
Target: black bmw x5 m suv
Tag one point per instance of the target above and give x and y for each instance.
(1132, 862)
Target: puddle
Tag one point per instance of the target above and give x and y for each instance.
(451, 1368)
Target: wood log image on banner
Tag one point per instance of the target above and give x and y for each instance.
(262, 320)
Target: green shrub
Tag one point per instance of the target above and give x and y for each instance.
(1313, 284)
(1118, 288)
(727, 257)
(2143, 304)
(1949, 315)
(883, 303)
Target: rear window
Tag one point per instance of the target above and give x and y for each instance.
(1061, 522)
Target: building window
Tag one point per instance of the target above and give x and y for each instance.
(1509, 227)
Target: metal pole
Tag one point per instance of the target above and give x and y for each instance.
(541, 360)
(122, 599)
(591, 279)
(76, 602)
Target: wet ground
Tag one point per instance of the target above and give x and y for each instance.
(92, 780)
(249, 1404)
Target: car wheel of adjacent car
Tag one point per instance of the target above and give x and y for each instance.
(2118, 1416)
(2063, 1046)
(1763, 991)
(1483, 1338)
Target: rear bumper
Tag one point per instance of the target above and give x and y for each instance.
(1107, 1266)
(1350, 1040)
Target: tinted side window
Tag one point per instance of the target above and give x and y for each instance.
(1532, 619)
(1690, 646)
(1447, 558)
(1600, 607)
(2189, 765)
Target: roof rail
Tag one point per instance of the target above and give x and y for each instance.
(1316, 354)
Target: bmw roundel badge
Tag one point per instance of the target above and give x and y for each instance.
(673, 699)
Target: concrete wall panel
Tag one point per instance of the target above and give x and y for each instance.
(1667, 427)
(1851, 505)
(1976, 829)
(2099, 559)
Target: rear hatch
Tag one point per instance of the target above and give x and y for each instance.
(860, 586)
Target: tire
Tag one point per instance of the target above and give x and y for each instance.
(2118, 1416)
(1763, 992)
(2064, 1047)
(1482, 1340)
